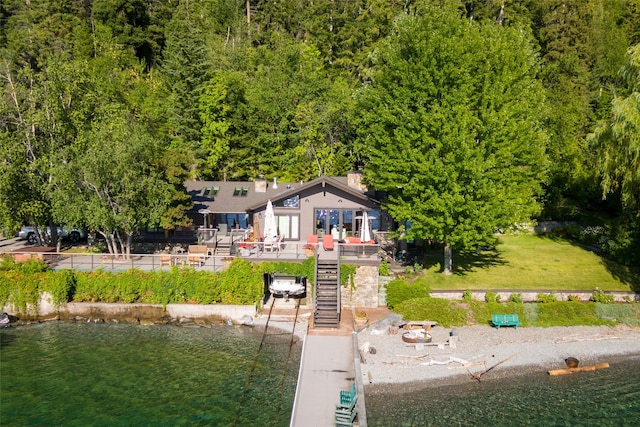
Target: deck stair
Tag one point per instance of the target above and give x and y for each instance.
(223, 247)
(327, 294)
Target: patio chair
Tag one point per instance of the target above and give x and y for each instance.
(274, 245)
(166, 259)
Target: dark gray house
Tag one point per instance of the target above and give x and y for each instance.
(325, 205)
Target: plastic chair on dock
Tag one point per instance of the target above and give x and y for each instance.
(346, 410)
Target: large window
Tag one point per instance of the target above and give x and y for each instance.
(289, 225)
(341, 223)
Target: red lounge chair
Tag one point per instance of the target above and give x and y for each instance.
(312, 239)
(327, 242)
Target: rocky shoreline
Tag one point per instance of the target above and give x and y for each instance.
(486, 353)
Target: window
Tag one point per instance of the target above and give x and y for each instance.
(210, 192)
(291, 202)
(289, 225)
(240, 191)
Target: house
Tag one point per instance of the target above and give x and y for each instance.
(325, 205)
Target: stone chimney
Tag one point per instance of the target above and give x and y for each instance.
(354, 180)
(261, 184)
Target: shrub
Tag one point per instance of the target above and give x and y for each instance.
(446, 313)
(417, 267)
(599, 296)
(467, 295)
(516, 297)
(491, 296)
(399, 290)
(563, 313)
(384, 269)
(629, 314)
(546, 298)
(573, 298)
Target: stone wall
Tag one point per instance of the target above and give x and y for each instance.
(365, 288)
(131, 312)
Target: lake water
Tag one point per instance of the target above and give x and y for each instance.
(607, 397)
(79, 374)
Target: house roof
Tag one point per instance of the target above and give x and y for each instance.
(242, 197)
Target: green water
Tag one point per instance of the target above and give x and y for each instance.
(78, 374)
(607, 397)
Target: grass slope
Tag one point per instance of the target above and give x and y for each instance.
(527, 261)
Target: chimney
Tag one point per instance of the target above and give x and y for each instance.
(354, 180)
(275, 182)
(261, 184)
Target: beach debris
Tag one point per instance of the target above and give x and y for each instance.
(565, 371)
(478, 377)
(412, 357)
(451, 359)
(594, 338)
(572, 362)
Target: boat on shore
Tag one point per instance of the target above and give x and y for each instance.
(416, 336)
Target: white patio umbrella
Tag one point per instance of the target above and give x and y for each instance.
(365, 232)
(270, 226)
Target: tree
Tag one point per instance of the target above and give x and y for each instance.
(616, 140)
(112, 183)
(450, 128)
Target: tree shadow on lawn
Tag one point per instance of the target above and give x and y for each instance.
(628, 275)
(464, 262)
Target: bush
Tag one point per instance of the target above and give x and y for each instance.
(547, 298)
(467, 295)
(446, 313)
(516, 297)
(573, 298)
(399, 290)
(384, 269)
(563, 313)
(491, 296)
(629, 314)
(599, 296)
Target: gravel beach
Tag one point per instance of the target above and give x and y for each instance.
(390, 362)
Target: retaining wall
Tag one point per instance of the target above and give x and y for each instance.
(132, 312)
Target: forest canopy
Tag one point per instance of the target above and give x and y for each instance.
(230, 90)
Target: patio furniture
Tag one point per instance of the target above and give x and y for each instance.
(197, 255)
(274, 245)
(327, 242)
(166, 259)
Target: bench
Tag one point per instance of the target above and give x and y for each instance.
(505, 320)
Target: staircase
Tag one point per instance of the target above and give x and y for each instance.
(327, 294)
(223, 247)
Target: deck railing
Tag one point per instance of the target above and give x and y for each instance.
(294, 251)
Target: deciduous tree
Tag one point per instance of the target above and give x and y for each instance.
(451, 128)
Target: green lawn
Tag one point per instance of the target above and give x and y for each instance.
(527, 261)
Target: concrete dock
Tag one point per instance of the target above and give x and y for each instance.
(325, 369)
(330, 362)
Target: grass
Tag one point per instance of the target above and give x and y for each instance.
(527, 261)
